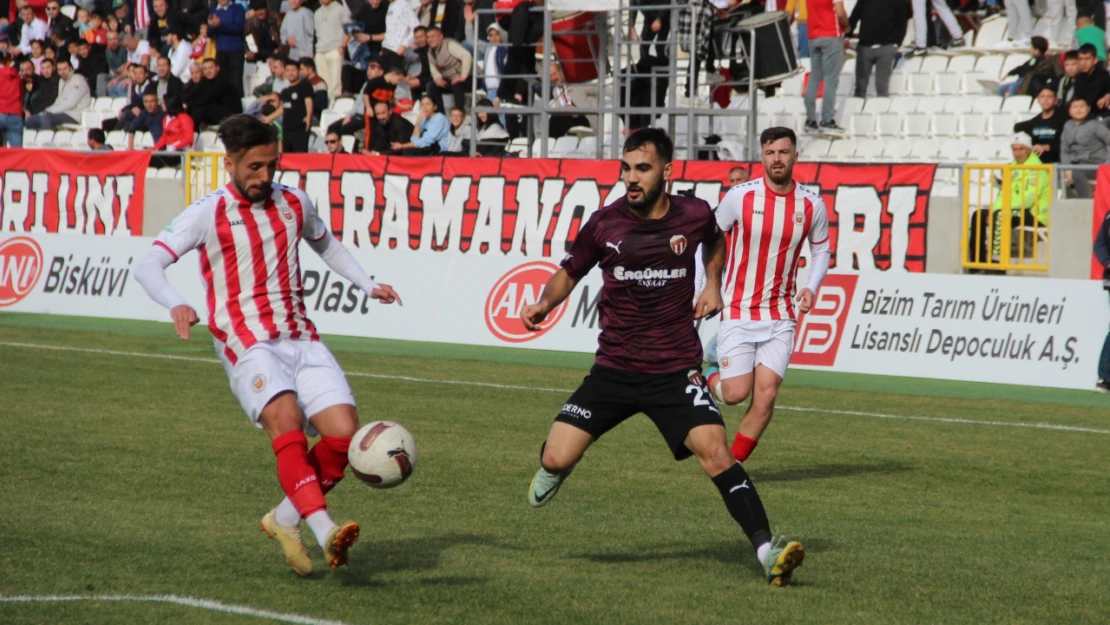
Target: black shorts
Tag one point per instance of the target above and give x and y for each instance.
(675, 402)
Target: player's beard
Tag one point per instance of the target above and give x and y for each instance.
(648, 197)
(253, 194)
(783, 175)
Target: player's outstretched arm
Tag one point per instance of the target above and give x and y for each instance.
(819, 266)
(709, 301)
(557, 289)
(340, 260)
(150, 273)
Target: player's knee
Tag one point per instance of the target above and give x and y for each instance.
(716, 460)
(767, 392)
(733, 395)
(557, 462)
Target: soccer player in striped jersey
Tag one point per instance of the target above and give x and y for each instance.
(766, 222)
(247, 236)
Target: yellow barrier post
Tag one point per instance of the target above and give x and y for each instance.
(203, 174)
(1034, 185)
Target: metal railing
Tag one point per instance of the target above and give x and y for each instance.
(1009, 230)
(204, 173)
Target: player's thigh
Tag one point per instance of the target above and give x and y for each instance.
(597, 406)
(321, 384)
(677, 405)
(260, 375)
(774, 355)
(735, 352)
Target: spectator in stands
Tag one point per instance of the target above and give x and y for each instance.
(1093, 83)
(93, 62)
(334, 143)
(138, 51)
(737, 175)
(298, 30)
(882, 27)
(265, 28)
(495, 59)
(920, 15)
(275, 82)
(319, 86)
(83, 23)
(177, 128)
(31, 80)
(31, 28)
(45, 92)
(1030, 197)
(492, 136)
(115, 55)
(416, 63)
(458, 137)
(1102, 253)
(55, 16)
(1084, 141)
(1086, 32)
(1039, 71)
(140, 80)
(73, 98)
(469, 27)
(268, 113)
(561, 123)
(1065, 91)
(387, 129)
(195, 13)
(372, 17)
(95, 139)
(431, 132)
(204, 47)
(450, 65)
(296, 111)
(38, 53)
(161, 22)
(227, 25)
(796, 10)
(355, 120)
(215, 100)
(827, 20)
(1020, 27)
(149, 120)
(1046, 127)
(11, 104)
(179, 52)
(165, 83)
(98, 30)
(400, 22)
(125, 19)
(330, 41)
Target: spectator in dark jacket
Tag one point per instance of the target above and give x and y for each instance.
(46, 92)
(1102, 253)
(215, 100)
(139, 82)
(93, 63)
(265, 28)
(387, 129)
(31, 80)
(1041, 70)
(1046, 127)
(1093, 83)
(227, 23)
(149, 120)
(882, 27)
(164, 83)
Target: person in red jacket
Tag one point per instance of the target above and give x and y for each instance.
(38, 5)
(11, 103)
(177, 127)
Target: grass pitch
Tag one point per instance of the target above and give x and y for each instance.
(123, 475)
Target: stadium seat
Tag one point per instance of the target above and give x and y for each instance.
(1017, 104)
(889, 125)
(764, 121)
(564, 147)
(849, 66)
(151, 172)
(902, 105)
(587, 147)
(794, 122)
(1002, 124)
(537, 145)
(817, 148)
(143, 141)
(842, 150)
(949, 84)
(876, 105)
(854, 105)
(973, 125)
(348, 143)
(795, 106)
(959, 104)
(118, 103)
(103, 104)
(167, 173)
(70, 11)
(912, 65)
(921, 84)
(934, 104)
(971, 84)
(793, 85)
(934, 64)
(342, 106)
(962, 64)
(117, 139)
(772, 106)
(897, 149)
(869, 149)
(30, 137)
(61, 138)
(916, 125)
(207, 140)
(945, 125)
(987, 104)
(981, 150)
(1012, 61)
(924, 149)
(953, 151)
(518, 145)
(863, 125)
(991, 33)
(79, 140)
(897, 83)
(846, 86)
(990, 65)
(44, 138)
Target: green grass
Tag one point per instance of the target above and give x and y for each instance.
(126, 475)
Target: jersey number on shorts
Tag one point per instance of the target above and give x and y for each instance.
(702, 397)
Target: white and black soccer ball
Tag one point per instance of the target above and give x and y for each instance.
(382, 454)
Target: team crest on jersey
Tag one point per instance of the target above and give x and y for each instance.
(799, 217)
(726, 362)
(678, 244)
(258, 383)
(287, 214)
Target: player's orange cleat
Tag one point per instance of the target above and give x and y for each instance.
(290, 540)
(340, 539)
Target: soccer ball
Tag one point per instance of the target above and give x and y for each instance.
(382, 454)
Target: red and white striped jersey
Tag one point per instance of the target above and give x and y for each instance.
(142, 15)
(764, 238)
(250, 264)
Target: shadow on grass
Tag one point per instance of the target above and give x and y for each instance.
(413, 554)
(734, 552)
(826, 471)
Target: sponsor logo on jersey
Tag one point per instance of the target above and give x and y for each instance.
(678, 244)
(258, 383)
(572, 410)
(20, 268)
(820, 330)
(622, 274)
(520, 287)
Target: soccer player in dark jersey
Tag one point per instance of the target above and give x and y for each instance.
(649, 354)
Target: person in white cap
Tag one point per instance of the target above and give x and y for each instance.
(1030, 197)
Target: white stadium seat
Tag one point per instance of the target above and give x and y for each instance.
(62, 138)
(903, 104)
(168, 173)
(912, 65)
(987, 104)
(945, 125)
(842, 150)
(869, 149)
(796, 106)
(772, 106)
(144, 140)
(897, 83)
(151, 172)
(962, 64)
(348, 143)
(917, 125)
(1017, 104)
(564, 147)
(1002, 124)
(953, 151)
(927, 104)
(117, 139)
(991, 33)
(981, 150)
(934, 64)
(854, 105)
(959, 104)
(924, 149)
(30, 137)
(990, 65)
(863, 125)
(921, 84)
(817, 148)
(876, 105)
(897, 149)
(1012, 61)
(949, 84)
(587, 147)
(973, 125)
(118, 103)
(80, 140)
(889, 125)
(793, 122)
(103, 105)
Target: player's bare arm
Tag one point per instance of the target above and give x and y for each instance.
(709, 302)
(557, 289)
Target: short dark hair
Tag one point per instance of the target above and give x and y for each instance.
(1040, 44)
(240, 133)
(419, 29)
(1048, 89)
(60, 61)
(775, 133)
(382, 102)
(308, 62)
(1089, 49)
(173, 105)
(268, 108)
(212, 61)
(664, 146)
(50, 61)
(1071, 55)
(435, 29)
(289, 62)
(96, 134)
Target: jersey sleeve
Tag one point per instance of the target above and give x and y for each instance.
(728, 212)
(712, 229)
(314, 226)
(585, 253)
(189, 230)
(819, 230)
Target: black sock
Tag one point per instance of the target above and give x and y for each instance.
(743, 504)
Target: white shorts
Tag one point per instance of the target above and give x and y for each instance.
(268, 368)
(742, 344)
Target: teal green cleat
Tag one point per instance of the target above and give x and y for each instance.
(781, 562)
(543, 487)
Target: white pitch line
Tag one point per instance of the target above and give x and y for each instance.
(513, 387)
(189, 602)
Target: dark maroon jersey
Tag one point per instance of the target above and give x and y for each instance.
(647, 301)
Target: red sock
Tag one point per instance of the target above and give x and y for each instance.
(296, 475)
(742, 447)
(328, 458)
